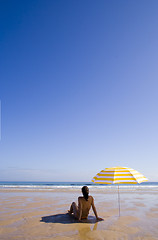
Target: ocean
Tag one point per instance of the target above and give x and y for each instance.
(48, 186)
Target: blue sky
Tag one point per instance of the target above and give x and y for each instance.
(79, 88)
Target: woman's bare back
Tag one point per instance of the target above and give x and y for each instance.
(84, 206)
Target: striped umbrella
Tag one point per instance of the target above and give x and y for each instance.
(119, 175)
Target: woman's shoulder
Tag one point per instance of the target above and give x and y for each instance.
(89, 197)
(80, 197)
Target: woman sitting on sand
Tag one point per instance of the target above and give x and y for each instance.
(84, 204)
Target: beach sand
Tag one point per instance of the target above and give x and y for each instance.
(42, 215)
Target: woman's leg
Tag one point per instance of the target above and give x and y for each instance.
(74, 210)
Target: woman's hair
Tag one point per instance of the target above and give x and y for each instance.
(85, 192)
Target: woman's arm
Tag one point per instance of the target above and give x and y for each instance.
(79, 209)
(95, 211)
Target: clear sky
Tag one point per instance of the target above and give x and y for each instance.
(78, 88)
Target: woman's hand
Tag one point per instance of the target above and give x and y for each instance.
(99, 219)
(80, 220)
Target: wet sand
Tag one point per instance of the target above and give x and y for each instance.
(39, 215)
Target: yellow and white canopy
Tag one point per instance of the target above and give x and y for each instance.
(119, 175)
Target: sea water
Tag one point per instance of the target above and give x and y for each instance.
(46, 186)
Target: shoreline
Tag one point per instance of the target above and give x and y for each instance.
(78, 190)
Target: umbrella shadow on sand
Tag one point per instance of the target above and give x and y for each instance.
(66, 219)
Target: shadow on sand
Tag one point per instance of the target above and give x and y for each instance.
(66, 219)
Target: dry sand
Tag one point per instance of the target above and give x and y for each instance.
(43, 216)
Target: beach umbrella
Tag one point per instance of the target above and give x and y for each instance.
(119, 175)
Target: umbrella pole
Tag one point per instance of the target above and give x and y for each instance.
(119, 200)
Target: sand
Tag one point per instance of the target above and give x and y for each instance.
(37, 215)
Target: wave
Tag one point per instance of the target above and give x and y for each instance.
(75, 186)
